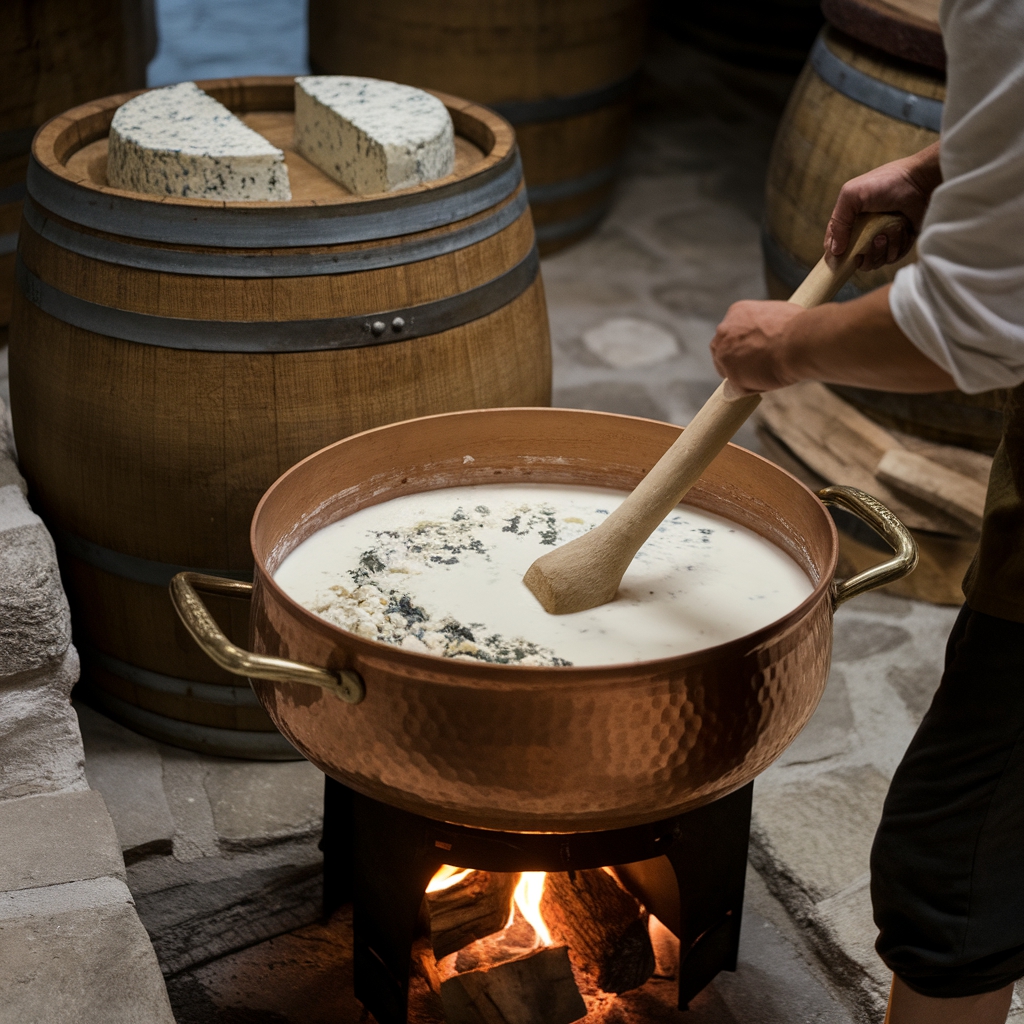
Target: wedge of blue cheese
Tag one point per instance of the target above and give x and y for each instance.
(372, 136)
(179, 141)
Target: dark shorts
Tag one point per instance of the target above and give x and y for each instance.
(947, 866)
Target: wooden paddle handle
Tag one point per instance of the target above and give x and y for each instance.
(727, 410)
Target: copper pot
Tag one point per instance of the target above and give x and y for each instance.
(536, 749)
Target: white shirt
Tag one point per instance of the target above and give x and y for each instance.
(962, 303)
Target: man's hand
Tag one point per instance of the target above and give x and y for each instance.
(902, 186)
(749, 347)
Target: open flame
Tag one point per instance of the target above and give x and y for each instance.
(446, 876)
(527, 898)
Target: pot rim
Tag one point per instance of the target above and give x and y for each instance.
(366, 650)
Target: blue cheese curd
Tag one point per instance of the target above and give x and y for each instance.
(179, 141)
(372, 136)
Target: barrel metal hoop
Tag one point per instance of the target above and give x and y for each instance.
(13, 193)
(8, 243)
(282, 335)
(922, 111)
(217, 264)
(560, 229)
(130, 567)
(557, 190)
(209, 693)
(555, 108)
(791, 272)
(270, 746)
(281, 227)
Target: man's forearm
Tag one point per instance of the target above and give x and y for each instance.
(858, 343)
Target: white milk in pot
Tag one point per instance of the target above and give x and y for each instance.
(441, 572)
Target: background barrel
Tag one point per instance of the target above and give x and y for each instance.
(57, 54)
(561, 71)
(859, 103)
(171, 358)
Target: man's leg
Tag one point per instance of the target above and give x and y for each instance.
(947, 866)
(909, 1007)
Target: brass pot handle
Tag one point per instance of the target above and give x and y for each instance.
(872, 512)
(199, 622)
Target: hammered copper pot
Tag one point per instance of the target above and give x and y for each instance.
(537, 749)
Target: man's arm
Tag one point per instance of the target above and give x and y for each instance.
(761, 346)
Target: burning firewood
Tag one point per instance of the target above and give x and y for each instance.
(476, 904)
(537, 988)
(603, 926)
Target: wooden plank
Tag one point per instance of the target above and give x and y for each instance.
(953, 492)
(844, 447)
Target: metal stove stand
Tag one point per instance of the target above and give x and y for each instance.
(382, 859)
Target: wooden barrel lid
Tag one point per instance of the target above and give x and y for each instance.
(903, 28)
(68, 177)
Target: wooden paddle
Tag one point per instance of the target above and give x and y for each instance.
(587, 571)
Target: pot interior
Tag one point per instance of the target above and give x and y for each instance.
(553, 446)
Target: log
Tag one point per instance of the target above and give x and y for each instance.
(604, 927)
(538, 988)
(919, 476)
(477, 906)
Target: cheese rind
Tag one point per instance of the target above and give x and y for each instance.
(179, 141)
(372, 136)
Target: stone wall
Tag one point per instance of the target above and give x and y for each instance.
(72, 948)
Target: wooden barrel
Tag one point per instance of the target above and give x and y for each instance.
(860, 103)
(170, 358)
(58, 53)
(561, 71)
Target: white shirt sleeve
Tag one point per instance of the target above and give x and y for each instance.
(962, 303)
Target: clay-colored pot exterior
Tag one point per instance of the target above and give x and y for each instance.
(541, 749)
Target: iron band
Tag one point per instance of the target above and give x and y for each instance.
(211, 693)
(557, 107)
(12, 193)
(282, 335)
(279, 227)
(130, 567)
(216, 264)
(791, 272)
(268, 746)
(556, 190)
(871, 92)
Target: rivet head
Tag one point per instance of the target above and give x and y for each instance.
(378, 327)
(397, 324)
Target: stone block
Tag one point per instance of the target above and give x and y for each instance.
(194, 834)
(811, 835)
(39, 737)
(256, 802)
(60, 837)
(625, 342)
(78, 954)
(127, 769)
(204, 909)
(35, 625)
(845, 934)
